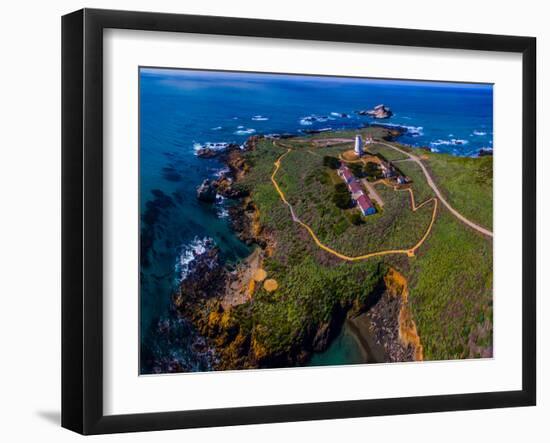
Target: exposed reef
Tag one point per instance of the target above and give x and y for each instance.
(206, 192)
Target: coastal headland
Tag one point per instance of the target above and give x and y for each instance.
(414, 280)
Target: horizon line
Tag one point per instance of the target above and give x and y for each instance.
(259, 76)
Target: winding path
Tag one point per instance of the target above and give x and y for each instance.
(438, 193)
(409, 252)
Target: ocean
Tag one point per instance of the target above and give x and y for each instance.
(181, 110)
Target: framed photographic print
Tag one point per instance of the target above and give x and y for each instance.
(270, 221)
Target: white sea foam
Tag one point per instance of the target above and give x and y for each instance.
(243, 131)
(217, 128)
(222, 212)
(219, 146)
(415, 130)
(310, 119)
(479, 133)
(259, 118)
(339, 114)
(451, 142)
(411, 130)
(221, 172)
(188, 253)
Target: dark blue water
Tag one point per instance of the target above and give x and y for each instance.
(180, 110)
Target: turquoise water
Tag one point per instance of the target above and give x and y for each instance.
(344, 349)
(182, 109)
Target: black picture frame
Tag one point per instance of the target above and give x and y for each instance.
(82, 216)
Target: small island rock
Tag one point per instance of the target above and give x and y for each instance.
(379, 111)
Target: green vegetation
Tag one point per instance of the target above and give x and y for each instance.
(422, 190)
(355, 218)
(450, 278)
(356, 169)
(331, 162)
(451, 289)
(310, 295)
(341, 196)
(309, 187)
(372, 171)
(467, 183)
(385, 153)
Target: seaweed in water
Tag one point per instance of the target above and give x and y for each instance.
(169, 173)
(149, 221)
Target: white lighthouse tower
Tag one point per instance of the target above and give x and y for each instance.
(358, 145)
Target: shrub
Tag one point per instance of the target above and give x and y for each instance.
(356, 218)
(356, 169)
(341, 196)
(331, 162)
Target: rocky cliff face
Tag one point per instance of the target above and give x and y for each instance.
(394, 326)
(229, 328)
(232, 156)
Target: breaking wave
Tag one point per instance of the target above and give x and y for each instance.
(310, 119)
(414, 131)
(451, 142)
(188, 253)
(244, 131)
(479, 133)
(219, 146)
(339, 114)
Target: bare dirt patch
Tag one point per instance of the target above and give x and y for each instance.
(241, 282)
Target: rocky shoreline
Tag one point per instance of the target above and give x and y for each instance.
(215, 298)
(211, 293)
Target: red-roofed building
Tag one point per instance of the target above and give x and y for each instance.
(365, 205)
(363, 201)
(355, 189)
(346, 174)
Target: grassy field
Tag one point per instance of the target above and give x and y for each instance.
(451, 289)
(312, 286)
(310, 295)
(304, 181)
(450, 279)
(422, 190)
(388, 153)
(467, 183)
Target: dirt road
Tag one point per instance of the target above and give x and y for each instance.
(438, 193)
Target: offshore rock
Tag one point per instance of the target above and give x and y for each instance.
(206, 192)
